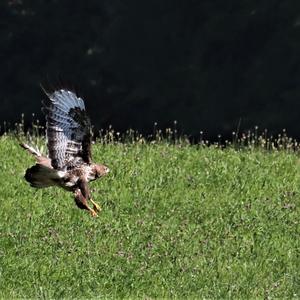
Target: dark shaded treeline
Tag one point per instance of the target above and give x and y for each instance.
(206, 64)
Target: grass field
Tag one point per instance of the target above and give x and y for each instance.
(178, 221)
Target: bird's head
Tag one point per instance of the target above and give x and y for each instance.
(100, 170)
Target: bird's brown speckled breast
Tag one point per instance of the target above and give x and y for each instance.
(70, 180)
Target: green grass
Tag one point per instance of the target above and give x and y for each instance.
(177, 222)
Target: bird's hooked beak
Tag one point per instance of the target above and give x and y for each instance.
(101, 170)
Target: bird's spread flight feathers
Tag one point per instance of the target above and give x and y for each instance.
(68, 130)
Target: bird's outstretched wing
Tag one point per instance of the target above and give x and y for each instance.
(68, 130)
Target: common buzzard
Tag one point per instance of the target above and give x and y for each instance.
(69, 163)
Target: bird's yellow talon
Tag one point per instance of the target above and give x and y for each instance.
(96, 207)
(93, 213)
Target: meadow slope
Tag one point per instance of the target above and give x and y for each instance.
(177, 221)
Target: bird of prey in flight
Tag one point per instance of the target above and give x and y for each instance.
(68, 163)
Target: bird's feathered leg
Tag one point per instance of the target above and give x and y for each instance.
(81, 202)
(83, 185)
(82, 193)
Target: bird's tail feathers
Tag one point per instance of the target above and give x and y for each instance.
(40, 158)
(31, 150)
(40, 176)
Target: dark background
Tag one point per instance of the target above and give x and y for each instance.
(209, 64)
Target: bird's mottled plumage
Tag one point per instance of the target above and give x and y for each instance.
(69, 163)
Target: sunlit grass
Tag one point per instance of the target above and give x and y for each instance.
(178, 221)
